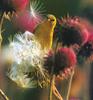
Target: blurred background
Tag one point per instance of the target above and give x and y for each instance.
(82, 86)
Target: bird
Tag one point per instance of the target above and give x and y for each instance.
(44, 32)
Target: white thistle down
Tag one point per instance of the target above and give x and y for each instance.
(26, 55)
(37, 8)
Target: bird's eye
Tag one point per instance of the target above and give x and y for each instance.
(52, 20)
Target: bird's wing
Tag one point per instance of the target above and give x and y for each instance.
(37, 29)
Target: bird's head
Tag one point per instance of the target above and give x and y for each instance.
(51, 20)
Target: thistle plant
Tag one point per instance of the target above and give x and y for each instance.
(71, 32)
(29, 65)
(60, 63)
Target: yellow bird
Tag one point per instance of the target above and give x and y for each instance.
(44, 32)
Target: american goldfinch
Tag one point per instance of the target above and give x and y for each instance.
(44, 32)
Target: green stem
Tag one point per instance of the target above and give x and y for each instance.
(3, 95)
(1, 23)
(70, 83)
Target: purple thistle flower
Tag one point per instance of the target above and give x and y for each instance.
(86, 51)
(12, 5)
(71, 31)
(5, 6)
(62, 61)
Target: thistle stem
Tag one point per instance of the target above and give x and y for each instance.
(53, 89)
(52, 79)
(1, 24)
(56, 93)
(69, 87)
(3, 95)
(52, 76)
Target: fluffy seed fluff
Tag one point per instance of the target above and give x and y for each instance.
(27, 57)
